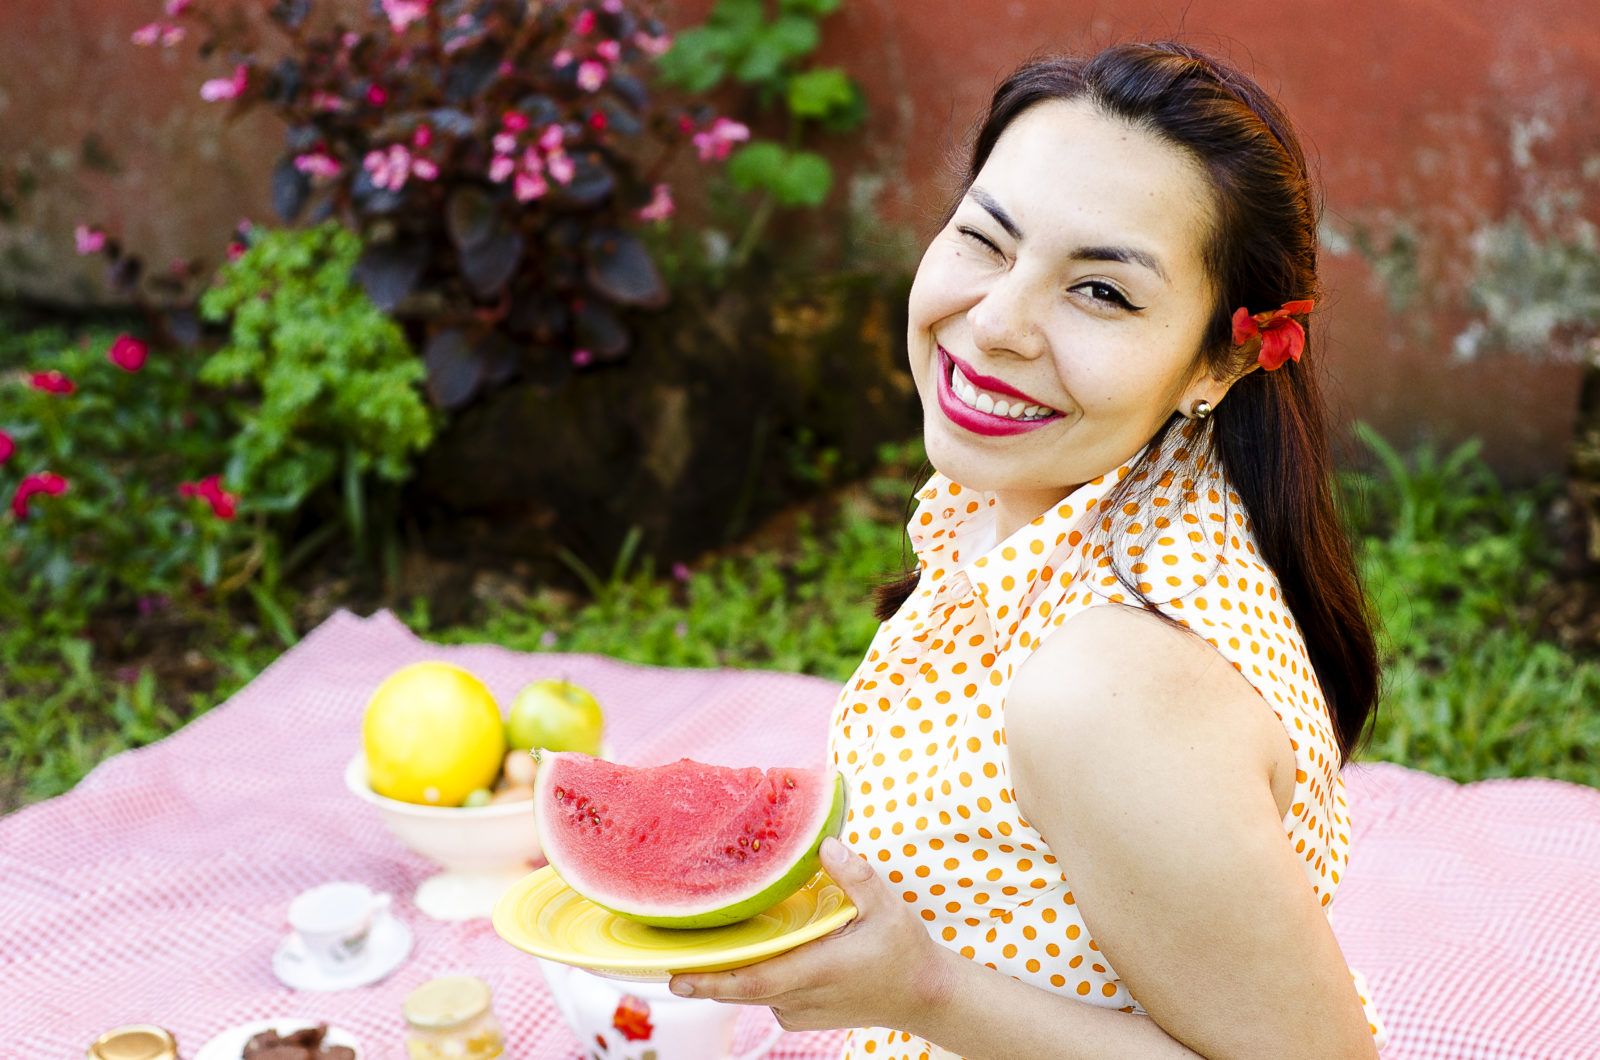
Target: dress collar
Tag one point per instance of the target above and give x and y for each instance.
(1164, 551)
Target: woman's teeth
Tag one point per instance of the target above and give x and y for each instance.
(995, 405)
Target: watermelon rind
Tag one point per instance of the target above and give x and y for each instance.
(804, 868)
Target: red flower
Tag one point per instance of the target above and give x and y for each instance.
(1282, 338)
(52, 381)
(7, 447)
(223, 503)
(128, 353)
(44, 482)
(632, 1018)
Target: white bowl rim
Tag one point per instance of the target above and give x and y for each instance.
(355, 778)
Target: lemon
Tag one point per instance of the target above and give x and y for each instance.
(557, 715)
(432, 733)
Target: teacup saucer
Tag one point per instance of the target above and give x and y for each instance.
(229, 1045)
(387, 947)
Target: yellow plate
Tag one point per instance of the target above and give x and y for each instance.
(543, 916)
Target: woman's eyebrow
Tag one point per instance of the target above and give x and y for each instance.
(1126, 255)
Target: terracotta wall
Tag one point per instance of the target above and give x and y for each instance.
(1436, 120)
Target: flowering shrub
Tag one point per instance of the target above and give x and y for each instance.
(488, 153)
(101, 458)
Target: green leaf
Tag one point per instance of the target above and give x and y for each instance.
(817, 8)
(794, 35)
(815, 93)
(805, 180)
(756, 165)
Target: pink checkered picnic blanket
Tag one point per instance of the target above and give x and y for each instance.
(156, 890)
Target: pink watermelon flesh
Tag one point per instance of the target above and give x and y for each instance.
(685, 844)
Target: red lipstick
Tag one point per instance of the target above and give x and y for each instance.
(985, 423)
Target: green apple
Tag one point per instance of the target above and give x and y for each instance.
(557, 715)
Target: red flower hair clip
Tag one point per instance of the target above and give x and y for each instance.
(1282, 338)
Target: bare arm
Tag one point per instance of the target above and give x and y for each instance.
(1153, 786)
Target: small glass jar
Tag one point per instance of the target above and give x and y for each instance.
(143, 1041)
(451, 1018)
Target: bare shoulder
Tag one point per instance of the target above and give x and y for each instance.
(1120, 674)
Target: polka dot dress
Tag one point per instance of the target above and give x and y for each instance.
(919, 729)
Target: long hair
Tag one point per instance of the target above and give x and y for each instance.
(1270, 433)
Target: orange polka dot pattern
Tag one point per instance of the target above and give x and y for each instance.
(919, 729)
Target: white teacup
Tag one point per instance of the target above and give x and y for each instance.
(333, 922)
(681, 1028)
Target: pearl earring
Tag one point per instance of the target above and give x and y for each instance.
(1202, 409)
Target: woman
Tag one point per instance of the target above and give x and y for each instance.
(1075, 829)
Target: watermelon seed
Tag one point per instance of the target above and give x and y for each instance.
(743, 841)
(788, 782)
(756, 845)
(561, 795)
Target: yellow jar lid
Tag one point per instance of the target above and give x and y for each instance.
(143, 1041)
(446, 1002)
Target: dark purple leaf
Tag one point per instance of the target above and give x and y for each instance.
(591, 182)
(124, 273)
(621, 121)
(472, 71)
(289, 189)
(601, 331)
(455, 369)
(487, 266)
(452, 122)
(284, 83)
(291, 13)
(541, 110)
(389, 271)
(471, 216)
(631, 89)
(620, 268)
(301, 138)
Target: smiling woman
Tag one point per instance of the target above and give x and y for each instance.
(1094, 748)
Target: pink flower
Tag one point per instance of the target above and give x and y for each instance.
(561, 167)
(226, 87)
(128, 353)
(501, 168)
(609, 50)
(235, 250)
(389, 169)
(597, 120)
(613, 7)
(514, 121)
(403, 13)
(581, 357)
(681, 572)
(176, 7)
(326, 101)
(551, 138)
(223, 504)
(660, 206)
(7, 447)
(146, 34)
(319, 164)
(422, 137)
(529, 186)
(505, 143)
(591, 75)
(652, 45)
(52, 382)
(424, 169)
(46, 482)
(172, 35)
(561, 58)
(585, 23)
(377, 95)
(715, 142)
(89, 240)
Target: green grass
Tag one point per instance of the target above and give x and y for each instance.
(1451, 559)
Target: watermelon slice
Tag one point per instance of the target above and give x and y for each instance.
(685, 845)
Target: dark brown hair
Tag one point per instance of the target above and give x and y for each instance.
(1270, 432)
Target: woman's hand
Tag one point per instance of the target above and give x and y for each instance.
(880, 970)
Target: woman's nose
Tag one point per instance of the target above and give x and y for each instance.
(1002, 319)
